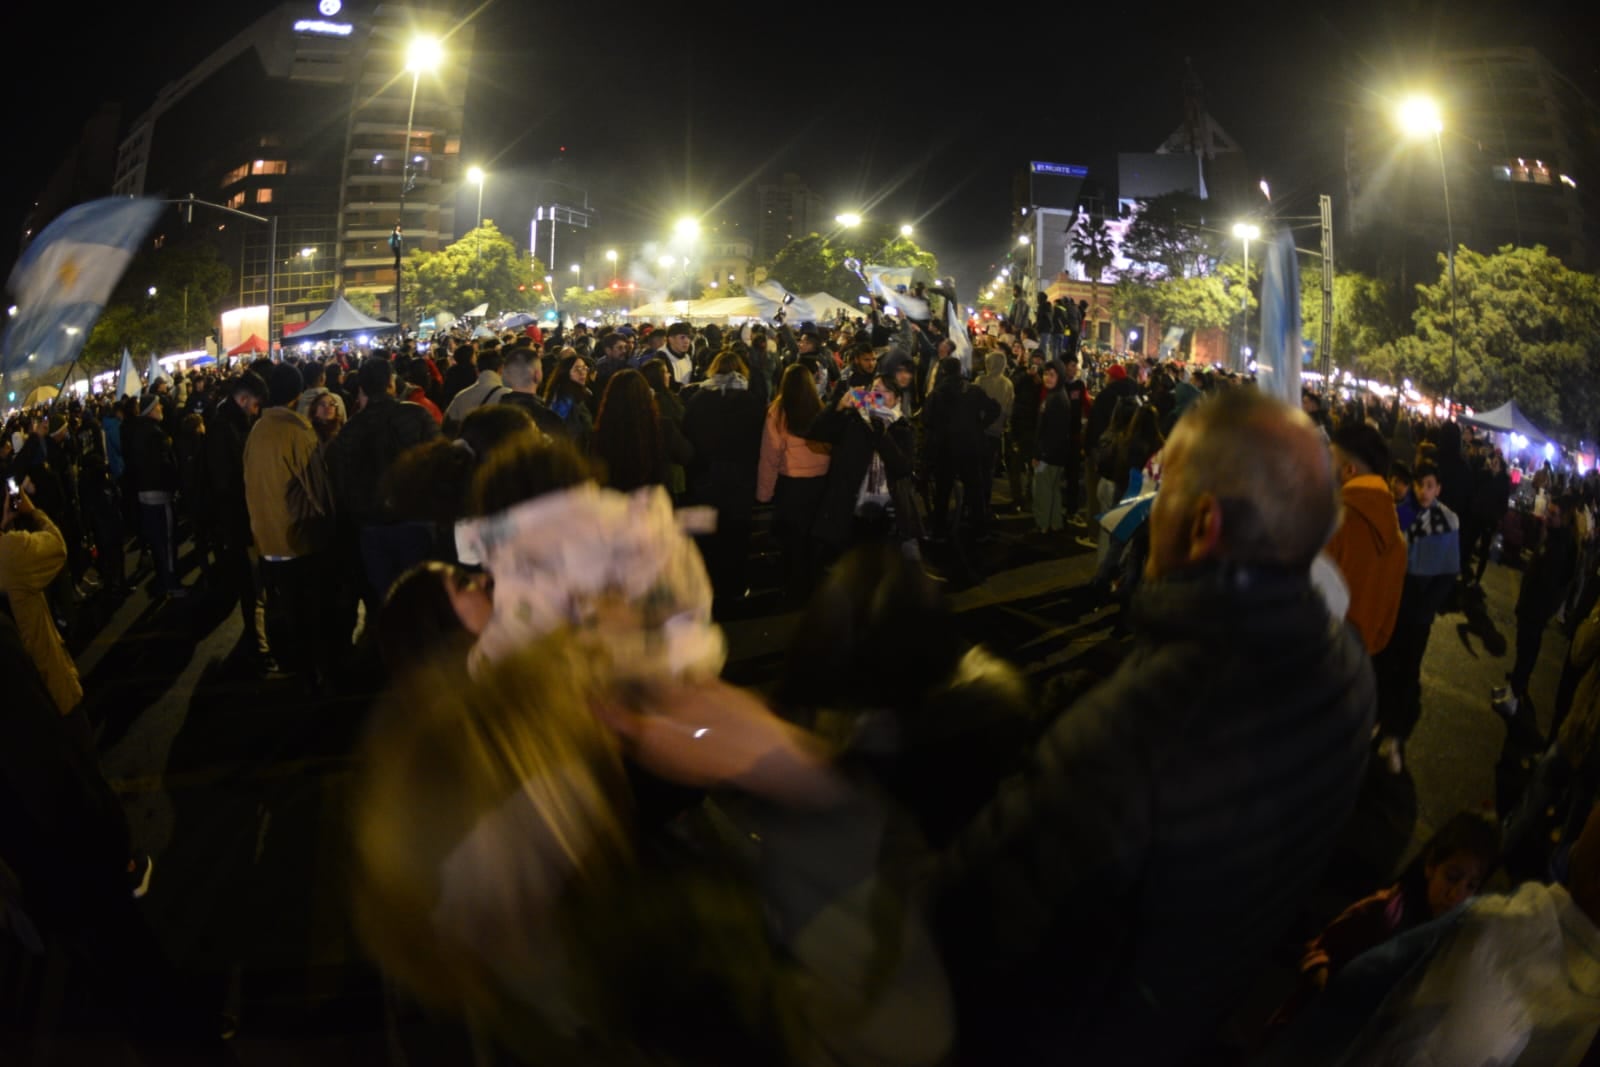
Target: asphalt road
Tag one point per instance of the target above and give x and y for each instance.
(236, 785)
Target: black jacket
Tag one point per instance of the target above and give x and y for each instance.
(547, 421)
(853, 441)
(1057, 439)
(1104, 405)
(147, 451)
(366, 448)
(954, 420)
(723, 427)
(1025, 408)
(226, 431)
(1170, 823)
(457, 377)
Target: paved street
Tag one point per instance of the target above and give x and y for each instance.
(236, 786)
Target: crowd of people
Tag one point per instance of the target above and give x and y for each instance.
(900, 854)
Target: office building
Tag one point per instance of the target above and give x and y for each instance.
(301, 116)
(784, 211)
(1520, 153)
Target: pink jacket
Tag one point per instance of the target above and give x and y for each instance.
(784, 453)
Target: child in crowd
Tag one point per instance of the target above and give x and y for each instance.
(1450, 869)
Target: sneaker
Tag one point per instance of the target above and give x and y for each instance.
(139, 875)
(1086, 542)
(1503, 701)
(1389, 751)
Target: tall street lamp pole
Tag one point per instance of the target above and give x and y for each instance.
(1419, 117)
(1246, 232)
(423, 54)
(475, 175)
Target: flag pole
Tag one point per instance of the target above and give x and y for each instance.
(62, 388)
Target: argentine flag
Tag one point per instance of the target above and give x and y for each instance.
(65, 277)
(127, 378)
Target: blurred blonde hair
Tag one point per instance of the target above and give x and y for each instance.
(477, 807)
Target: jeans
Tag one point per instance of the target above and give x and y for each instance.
(1399, 673)
(1049, 510)
(1530, 635)
(297, 614)
(156, 522)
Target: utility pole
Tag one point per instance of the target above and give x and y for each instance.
(189, 203)
(1325, 207)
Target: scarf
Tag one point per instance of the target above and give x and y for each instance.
(725, 383)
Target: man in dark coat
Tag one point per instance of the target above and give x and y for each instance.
(226, 432)
(723, 422)
(379, 430)
(1116, 896)
(953, 423)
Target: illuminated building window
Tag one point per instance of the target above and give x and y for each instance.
(269, 166)
(1536, 171)
(237, 174)
(263, 196)
(236, 200)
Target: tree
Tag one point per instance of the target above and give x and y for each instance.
(483, 267)
(804, 265)
(1529, 330)
(1364, 317)
(1167, 238)
(814, 263)
(190, 281)
(1093, 245)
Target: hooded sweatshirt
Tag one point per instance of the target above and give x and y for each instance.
(997, 386)
(1370, 552)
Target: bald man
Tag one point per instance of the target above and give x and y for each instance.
(1112, 900)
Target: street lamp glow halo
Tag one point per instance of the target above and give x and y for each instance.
(1419, 116)
(1024, 239)
(687, 228)
(475, 175)
(1247, 230)
(423, 53)
(906, 230)
(849, 218)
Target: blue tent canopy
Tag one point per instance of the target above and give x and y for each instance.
(339, 320)
(1507, 418)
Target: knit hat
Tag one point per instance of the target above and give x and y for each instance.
(150, 404)
(1115, 372)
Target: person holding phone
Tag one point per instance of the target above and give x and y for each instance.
(32, 553)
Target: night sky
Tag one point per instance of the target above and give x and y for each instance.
(898, 111)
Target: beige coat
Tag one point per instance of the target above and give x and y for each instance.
(286, 486)
(28, 564)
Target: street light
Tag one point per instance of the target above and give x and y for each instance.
(1419, 117)
(475, 176)
(667, 261)
(848, 220)
(1024, 239)
(1246, 232)
(150, 291)
(686, 228)
(305, 253)
(906, 230)
(424, 53)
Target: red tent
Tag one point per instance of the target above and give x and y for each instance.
(249, 344)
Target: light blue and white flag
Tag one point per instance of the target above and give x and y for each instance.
(1278, 356)
(155, 372)
(128, 383)
(885, 282)
(955, 327)
(64, 278)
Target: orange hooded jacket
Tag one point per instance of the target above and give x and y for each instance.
(1370, 551)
